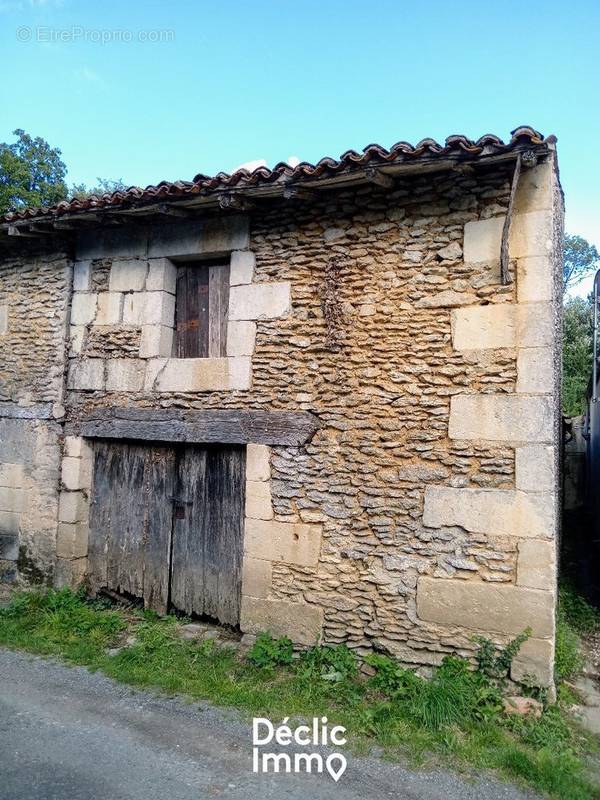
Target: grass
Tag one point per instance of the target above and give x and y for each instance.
(454, 719)
(576, 619)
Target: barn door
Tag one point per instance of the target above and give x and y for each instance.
(130, 520)
(208, 524)
(166, 525)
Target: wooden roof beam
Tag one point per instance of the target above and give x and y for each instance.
(379, 178)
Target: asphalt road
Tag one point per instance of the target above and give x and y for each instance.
(67, 734)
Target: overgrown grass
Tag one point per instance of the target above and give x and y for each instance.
(455, 718)
(576, 619)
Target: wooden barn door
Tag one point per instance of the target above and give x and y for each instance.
(166, 525)
(130, 520)
(206, 568)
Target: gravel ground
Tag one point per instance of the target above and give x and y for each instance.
(69, 733)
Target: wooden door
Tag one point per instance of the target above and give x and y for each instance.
(206, 570)
(130, 520)
(166, 525)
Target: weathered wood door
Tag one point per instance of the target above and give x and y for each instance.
(166, 525)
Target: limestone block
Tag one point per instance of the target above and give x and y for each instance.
(12, 499)
(162, 276)
(72, 507)
(303, 623)
(154, 369)
(536, 564)
(495, 511)
(82, 276)
(447, 299)
(535, 189)
(535, 279)
(535, 468)
(501, 418)
(483, 239)
(204, 374)
(259, 301)
(76, 473)
(69, 572)
(258, 500)
(72, 540)
(83, 308)
(213, 236)
(484, 327)
(125, 375)
(76, 336)
(531, 234)
(258, 466)
(241, 267)
(149, 308)
(489, 607)
(241, 338)
(109, 308)
(536, 657)
(156, 340)
(76, 447)
(86, 374)
(12, 475)
(9, 523)
(535, 370)
(128, 275)
(3, 319)
(256, 577)
(288, 542)
(535, 324)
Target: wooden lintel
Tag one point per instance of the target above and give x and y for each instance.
(379, 178)
(298, 193)
(290, 428)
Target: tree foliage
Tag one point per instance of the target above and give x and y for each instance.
(577, 353)
(31, 173)
(103, 186)
(580, 259)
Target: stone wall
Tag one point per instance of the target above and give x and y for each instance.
(34, 300)
(424, 509)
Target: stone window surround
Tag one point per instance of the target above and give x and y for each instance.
(141, 293)
(266, 541)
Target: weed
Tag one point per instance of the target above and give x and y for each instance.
(269, 652)
(494, 661)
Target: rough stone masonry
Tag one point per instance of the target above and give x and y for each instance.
(423, 511)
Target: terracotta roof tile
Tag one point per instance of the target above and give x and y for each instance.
(373, 154)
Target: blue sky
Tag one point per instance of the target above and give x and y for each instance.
(235, 81)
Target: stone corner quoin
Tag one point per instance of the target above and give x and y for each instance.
(423, 506)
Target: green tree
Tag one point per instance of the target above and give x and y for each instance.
(31, 173)
(577, 353)
(103, 186)
(580, 259)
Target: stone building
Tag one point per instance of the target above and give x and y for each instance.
(319, 400)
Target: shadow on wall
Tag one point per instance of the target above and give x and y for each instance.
(580, 542)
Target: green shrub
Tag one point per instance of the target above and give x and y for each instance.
(328, 663)
(577, 612)
(495, 662)
(567, 659)
(391, 678)
(269, 652)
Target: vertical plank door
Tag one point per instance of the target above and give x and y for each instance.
(208, 525)
(131, 521)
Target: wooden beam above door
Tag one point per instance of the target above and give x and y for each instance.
(291, 428)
